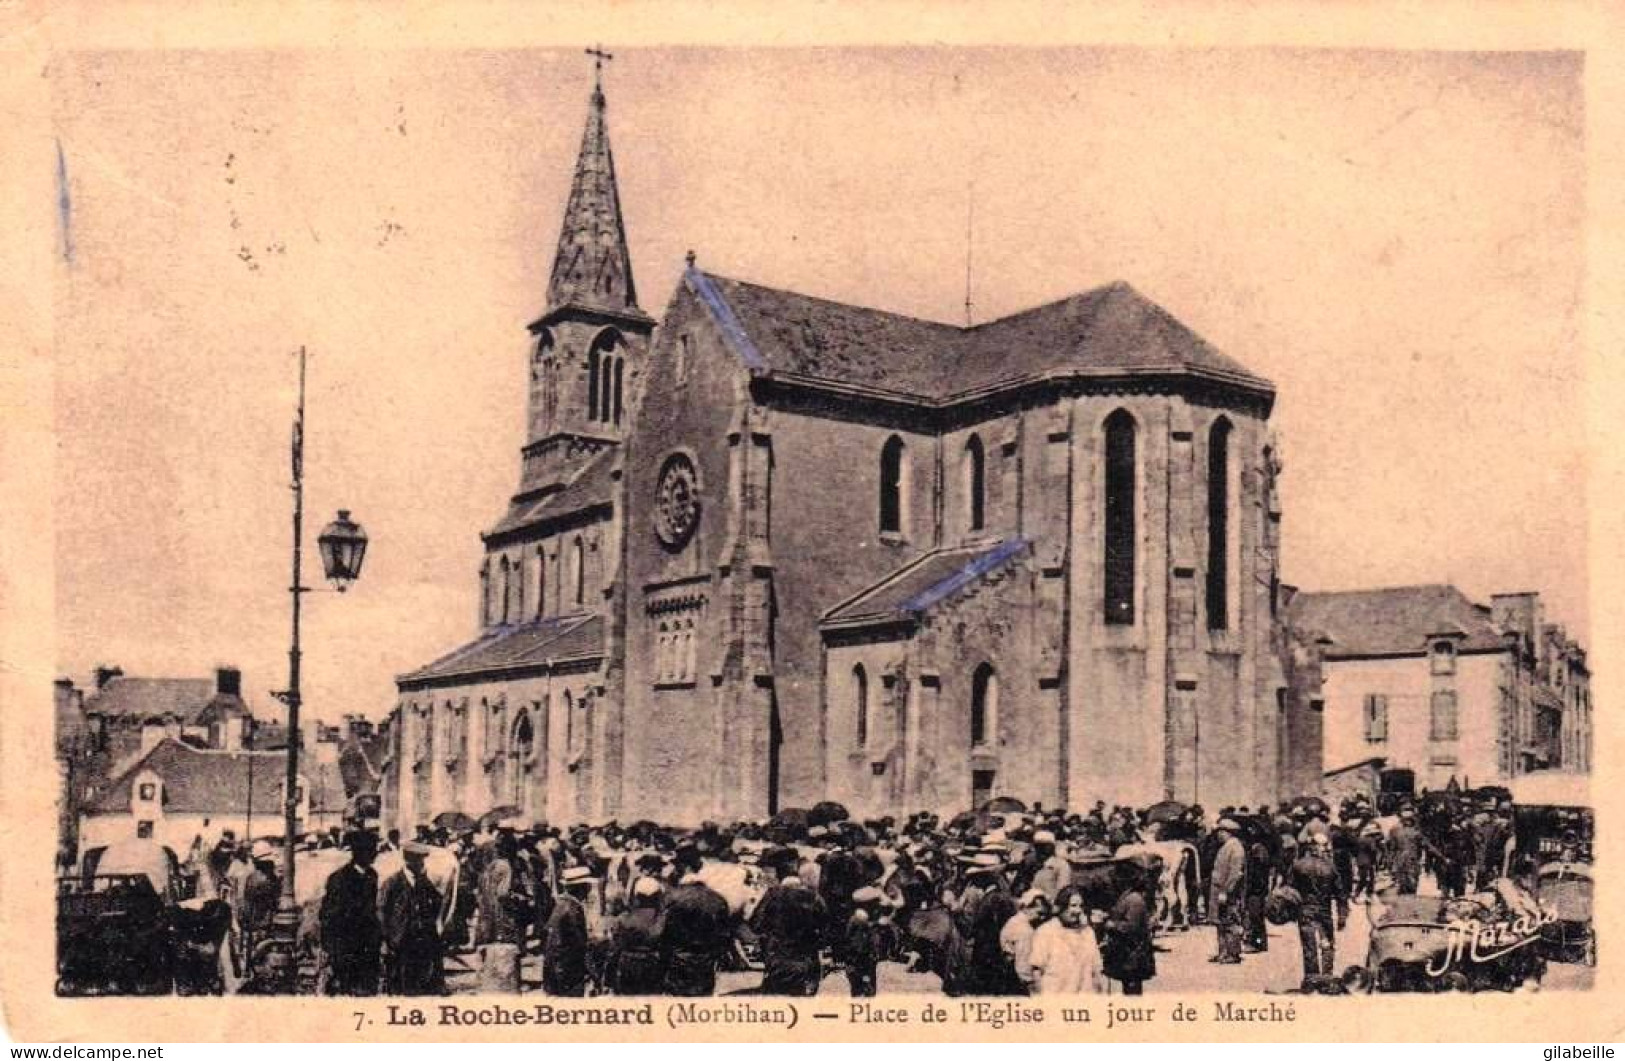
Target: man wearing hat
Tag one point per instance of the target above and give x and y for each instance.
(860, 949)
(1405, 845)
(261, 891)
(409, 913)
(1054, 872)
(987, 907)
(1226, 892)
(351, 935)
(697, 930)
(1314, 877)
(791, 922)
(565, 939)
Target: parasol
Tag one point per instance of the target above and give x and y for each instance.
(1169, 810)
(1004, 805)
(497, 814)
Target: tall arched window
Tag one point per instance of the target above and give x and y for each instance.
(893, 484)
(1218, 525)
(503, 579)
(860, 693)
(540, 365)
(620, 374)
(592, 381)
(975, 484)
(604, 377)
(1118, 580)
(522, 750)
(541, 581)
(485, 593)
(578, 557)
(984, 706)
(519, 577)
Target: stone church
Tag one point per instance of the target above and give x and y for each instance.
(774, 549)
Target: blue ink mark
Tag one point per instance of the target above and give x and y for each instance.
(981, 565)
(732, 330)
(64, 206)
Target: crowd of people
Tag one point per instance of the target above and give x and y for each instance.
(1023, 902)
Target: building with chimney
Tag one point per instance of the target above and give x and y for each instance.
(780, 549)
(1428, 680)
(178, 758)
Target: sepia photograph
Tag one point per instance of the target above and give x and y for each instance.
(650, 526)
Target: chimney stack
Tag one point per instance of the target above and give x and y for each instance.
(106, 674)
(228, 681)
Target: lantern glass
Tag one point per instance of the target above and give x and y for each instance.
(343, 546)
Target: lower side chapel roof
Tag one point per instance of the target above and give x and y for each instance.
(924, 582)
(539, 643)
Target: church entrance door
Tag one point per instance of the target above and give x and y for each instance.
(981, 787)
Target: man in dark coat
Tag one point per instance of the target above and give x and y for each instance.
(409, 912)
(351, 933)
(860, 948)
(565, 940)
(991, 970)
(1315, 879)
(792, 923)
(1260, 862)
(1129, 955)
(695, 934)
(1405, 852)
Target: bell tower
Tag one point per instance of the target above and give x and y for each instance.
(587, 347)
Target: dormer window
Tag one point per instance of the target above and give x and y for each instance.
(1443, 657)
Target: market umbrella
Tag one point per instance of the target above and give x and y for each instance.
(793, 818)
(454, 821)
(1313, 804)
(828, 812)
(1169, 810)
(1004, 805)
(497, 814)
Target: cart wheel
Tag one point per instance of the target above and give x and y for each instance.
(1357, 980)
(1455, 981)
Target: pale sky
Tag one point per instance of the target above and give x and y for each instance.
(1394, 238)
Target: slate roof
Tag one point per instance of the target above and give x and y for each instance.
(1111, 330)
(1395, 621)
(923, 583)
(141, 698)
(206, 781)
(532, 644)
(593, 484)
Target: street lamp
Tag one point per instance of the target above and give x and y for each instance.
(343, 545)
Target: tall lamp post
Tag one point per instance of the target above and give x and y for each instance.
(343, 545)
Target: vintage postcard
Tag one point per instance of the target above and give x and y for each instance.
(690, 522)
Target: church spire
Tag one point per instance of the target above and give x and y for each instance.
(593, 268)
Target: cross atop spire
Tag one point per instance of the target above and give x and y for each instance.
(592, 268)
(599, 56)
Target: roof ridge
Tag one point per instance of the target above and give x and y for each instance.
(1111, 287)
(909, 318)
(1379, 589)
